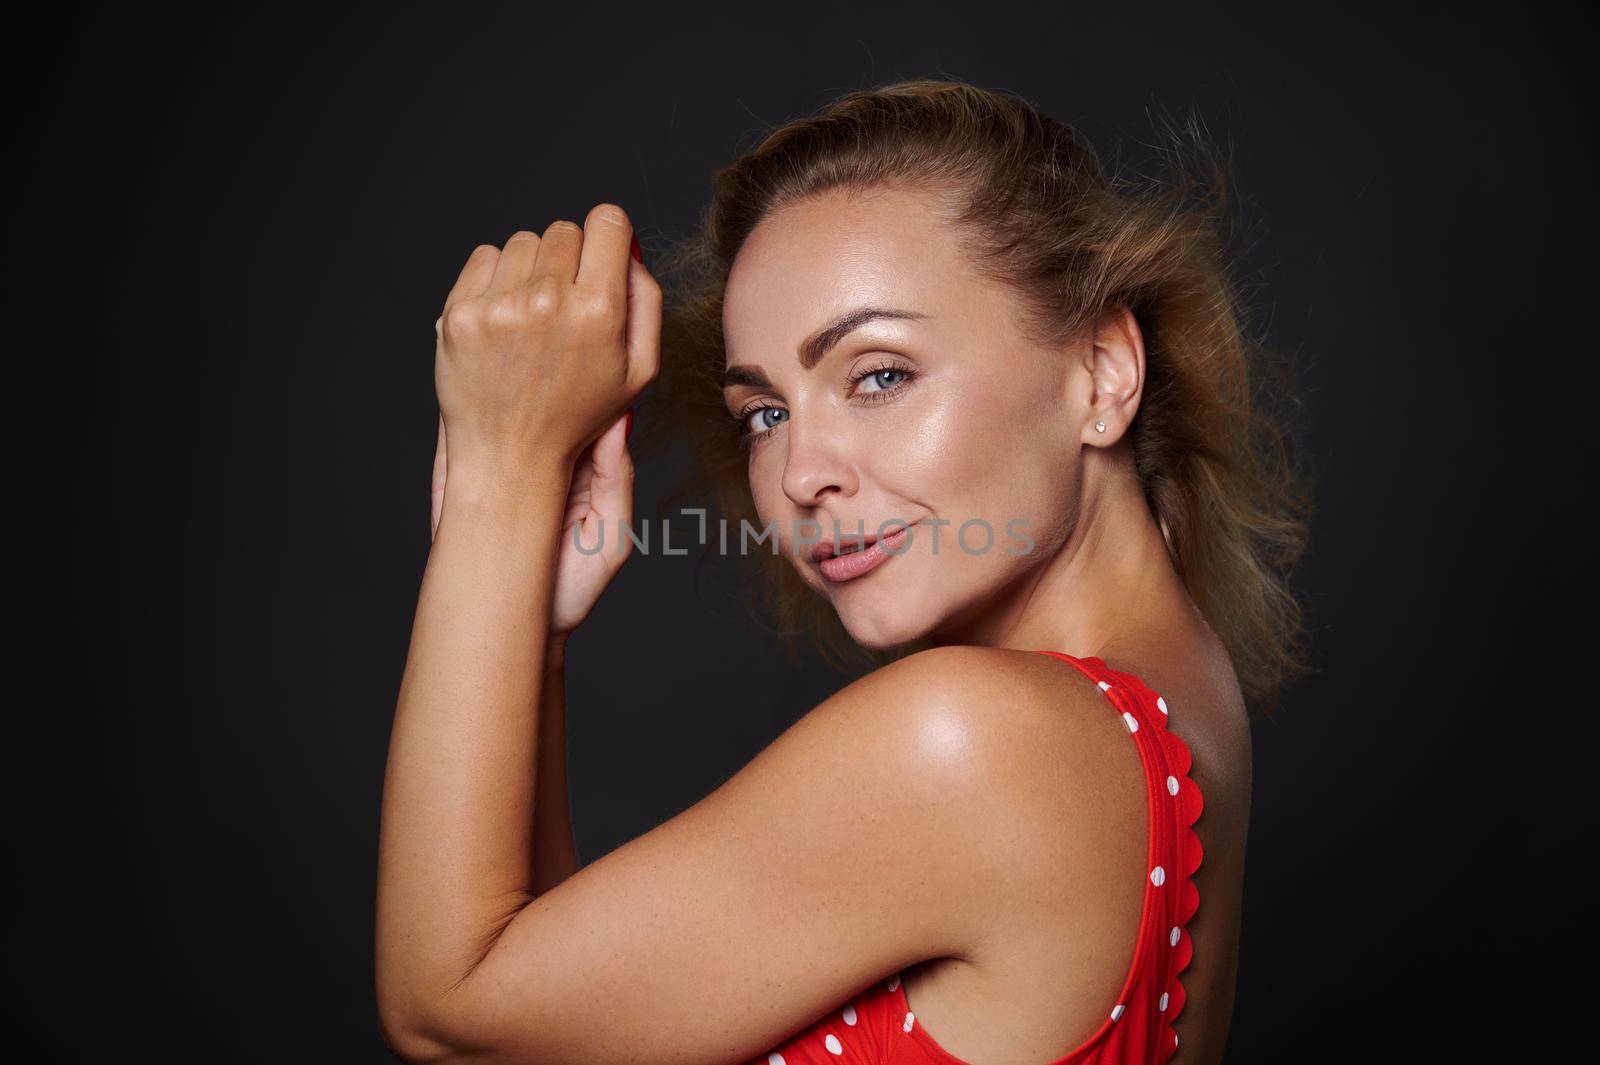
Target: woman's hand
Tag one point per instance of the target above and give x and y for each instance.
(599, 507)
(541, 347)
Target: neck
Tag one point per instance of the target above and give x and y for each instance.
(1110, 577)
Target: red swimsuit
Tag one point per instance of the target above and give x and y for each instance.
(877, 1026)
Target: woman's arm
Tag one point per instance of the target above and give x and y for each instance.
(540, 346)
(457, 843)
(555, 851)
(879, 830)
(578, 584)
(601, 488)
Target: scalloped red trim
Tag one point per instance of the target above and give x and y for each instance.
(1189, 803)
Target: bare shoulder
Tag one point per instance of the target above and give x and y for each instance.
(958, 720)
(1020, 736)
(1011, 753)
(997, 688)
(976, 710)
(972, 703)
(1047, 844)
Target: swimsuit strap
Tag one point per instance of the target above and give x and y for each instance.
(1175, 805)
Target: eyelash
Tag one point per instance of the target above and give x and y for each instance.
(882, 395)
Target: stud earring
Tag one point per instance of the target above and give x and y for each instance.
(1099, 427)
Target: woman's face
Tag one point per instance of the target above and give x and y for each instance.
(939, 415)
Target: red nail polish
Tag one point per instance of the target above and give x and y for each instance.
(628, 430)
(636, 251)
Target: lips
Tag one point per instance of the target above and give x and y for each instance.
(853, 564)
(828, 549)
(845, 545)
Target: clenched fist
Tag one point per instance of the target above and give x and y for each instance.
(541, 347)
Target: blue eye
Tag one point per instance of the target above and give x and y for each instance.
(756, 416)
(878, 374)
(756, 428)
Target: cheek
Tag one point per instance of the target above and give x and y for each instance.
(956, 444)
(989, 454)
(765, 477)
(764, 466)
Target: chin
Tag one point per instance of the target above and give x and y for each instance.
(885, 624)
(894, 615)
(881, 640)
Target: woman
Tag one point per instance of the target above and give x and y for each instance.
(924, 307)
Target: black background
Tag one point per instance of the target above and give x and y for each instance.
(231, 231)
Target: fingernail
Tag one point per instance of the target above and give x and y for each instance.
(628, 431)
(637, 252)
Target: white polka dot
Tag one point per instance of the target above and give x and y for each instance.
(1163, 1002)
(1161, 703)
(1172, 785)
(1116, 1011)
(833, 1045)
(911, 1018)
(1158, 876)
(776, 1059)
(1173, 938)
(849, 1015)
(1133, 722)
(1174, 1038)
(894, 981)
(1104, 686)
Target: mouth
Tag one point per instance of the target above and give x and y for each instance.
(851, 557)
(845, 545)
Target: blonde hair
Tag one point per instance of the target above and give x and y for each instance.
(1045, 218)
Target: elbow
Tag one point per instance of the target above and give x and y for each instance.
(414, 1043)
(419, 1034)
(417, 1043)
(423, 1028)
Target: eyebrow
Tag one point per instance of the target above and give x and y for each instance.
(818, 344)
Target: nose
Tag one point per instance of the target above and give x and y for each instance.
(818, 461)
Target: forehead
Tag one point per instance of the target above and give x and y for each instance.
(832, 252)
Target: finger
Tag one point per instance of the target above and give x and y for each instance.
(607, 240)
(558, 252)
(475, 275)
(516, 262)
(582, 473)
(436, 494)
(644, 326)
(611, 458)
(611, 482)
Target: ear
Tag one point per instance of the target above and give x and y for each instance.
(1115, 361)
